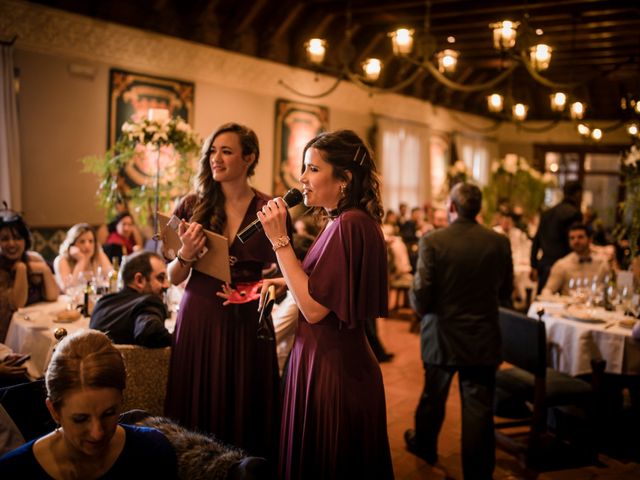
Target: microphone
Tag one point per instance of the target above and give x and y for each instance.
(292, 198)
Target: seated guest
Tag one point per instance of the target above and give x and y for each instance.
(122, 239)
(440, 219)
(136, 314)
(25, 277)
(580, 263)
(85, 381)
(79, 252)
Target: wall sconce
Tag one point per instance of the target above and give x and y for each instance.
(632, 129)
(447, 60)
(596, 134)
(577, 110)
(519, 111)
(584, 130)
(540, 56)
(558, 101)
(495, 102)
(402, 41)
(372, 68)
(316, 49)
(504, 34)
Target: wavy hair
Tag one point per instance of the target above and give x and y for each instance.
(72, 237)
(18, 228)
(209, 207)
(346, 152)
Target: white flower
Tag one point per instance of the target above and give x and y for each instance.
(495, 165)
(633, 157)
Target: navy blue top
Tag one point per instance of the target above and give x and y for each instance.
(146, 454)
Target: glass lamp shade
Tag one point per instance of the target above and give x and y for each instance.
(495, 102)
(447, 60)
(316, 49)
(504, 34)
(596, 134)
(519, 111)
(372, 68)
(577, 110)
(632, 129)
(558, 101)
(402, 41)
(584, 130)
(540, 56)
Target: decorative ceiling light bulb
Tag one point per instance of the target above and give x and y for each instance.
(495, 102)
(584, 130)
(632, 129)
(447, 60)
(558, 101)
(504, 34)
(596, 134)
(316, 49)
(577, 110)
(540, 56)
(372, 68)
(519, 111)
(402, 41)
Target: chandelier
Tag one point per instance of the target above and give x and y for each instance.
(517, 48)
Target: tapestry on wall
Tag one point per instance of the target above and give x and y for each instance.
(131, 96)
(296, 124)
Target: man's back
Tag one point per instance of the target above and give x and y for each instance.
(130, 317)
(467, 271)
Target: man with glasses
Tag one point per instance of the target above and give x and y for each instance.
(136, 314)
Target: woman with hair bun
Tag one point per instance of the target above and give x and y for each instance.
(85, 380)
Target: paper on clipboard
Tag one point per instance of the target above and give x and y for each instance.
(215, 262)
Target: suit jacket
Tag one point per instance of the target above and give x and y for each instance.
(553, 234)
(464, 272)
(130, 317)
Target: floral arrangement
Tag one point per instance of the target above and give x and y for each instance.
(629, 228)
(515, 182)
(168, 144)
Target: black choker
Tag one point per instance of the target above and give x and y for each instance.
(333, 213)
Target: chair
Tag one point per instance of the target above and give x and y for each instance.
(529, 382)
(147, 373)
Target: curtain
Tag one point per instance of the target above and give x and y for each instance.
(403, 155)
(476, 153)
(10, 188)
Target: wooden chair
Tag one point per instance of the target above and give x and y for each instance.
(147, 373)
(531, 383)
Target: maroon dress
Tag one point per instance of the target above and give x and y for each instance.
(222, 379)
(334, 418)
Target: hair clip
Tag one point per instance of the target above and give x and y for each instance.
(362, 158)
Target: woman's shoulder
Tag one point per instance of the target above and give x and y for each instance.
(261, 196)
(34, 256)
(143, 437)
(186, 206)
(149, 448)
(19, 461)
(357, 218)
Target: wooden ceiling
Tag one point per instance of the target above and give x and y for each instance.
(596, 42)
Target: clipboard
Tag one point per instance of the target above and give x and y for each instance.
(215, 261)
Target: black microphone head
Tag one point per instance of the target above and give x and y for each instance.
(292, 198)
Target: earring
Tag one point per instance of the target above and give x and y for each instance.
(343, 189)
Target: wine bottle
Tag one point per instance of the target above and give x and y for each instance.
(113, 275)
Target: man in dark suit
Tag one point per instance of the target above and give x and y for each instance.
(464, 272)
(553, 233)
(136, 314)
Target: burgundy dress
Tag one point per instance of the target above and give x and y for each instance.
(334, 418)
(222, 379)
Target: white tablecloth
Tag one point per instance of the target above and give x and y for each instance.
(31, 331)
(573, 343)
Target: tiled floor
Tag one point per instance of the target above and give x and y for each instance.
(403, 378)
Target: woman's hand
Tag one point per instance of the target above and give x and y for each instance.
(226, 293)
(279, 283)
(273, 217)
(38, 267)
(192, 238)
(9, 371)
(76, 253)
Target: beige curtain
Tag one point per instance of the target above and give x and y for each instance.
(10, 188)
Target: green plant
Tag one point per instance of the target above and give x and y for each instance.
(629, 227)
(514, 182)
(171, 138)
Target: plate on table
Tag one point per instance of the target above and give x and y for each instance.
(565, 299)
(66, 316)
(582, 314)
(628, 322)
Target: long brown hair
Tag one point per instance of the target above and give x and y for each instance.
(85, 359)
(72, 237)
(346, 151)
(209, 208)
